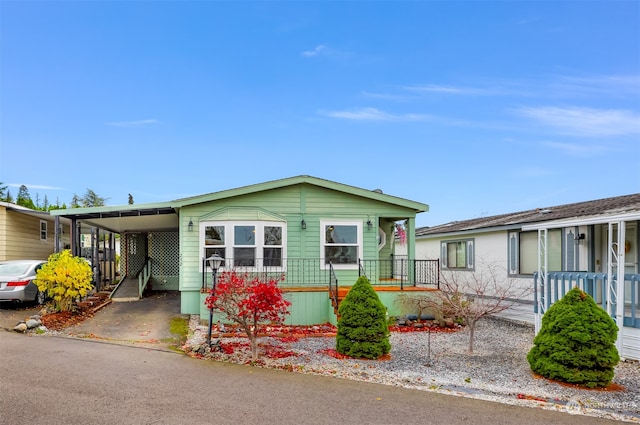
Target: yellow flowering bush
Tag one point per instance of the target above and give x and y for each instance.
(64, 278)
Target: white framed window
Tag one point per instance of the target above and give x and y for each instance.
(341, 243)
(458, 254)
(43, 230)
(246, 244)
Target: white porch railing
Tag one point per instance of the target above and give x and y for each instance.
(557, 284)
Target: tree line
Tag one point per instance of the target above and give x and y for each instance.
(24, 199)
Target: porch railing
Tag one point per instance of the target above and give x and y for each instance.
(402, 272)
(310, 272)
(290, 272)
(596, 285)
(143, 277)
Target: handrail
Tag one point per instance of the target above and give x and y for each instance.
(143, 277)
(333, 285)
(361, 270)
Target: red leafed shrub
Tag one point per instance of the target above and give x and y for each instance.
(249, 302)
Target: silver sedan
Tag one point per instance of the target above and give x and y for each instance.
(17, 281)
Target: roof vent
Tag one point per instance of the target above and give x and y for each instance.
(377, 190)
(545, 211)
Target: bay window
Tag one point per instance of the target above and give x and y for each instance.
(244, 244)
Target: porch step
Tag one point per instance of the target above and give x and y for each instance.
(127, 290)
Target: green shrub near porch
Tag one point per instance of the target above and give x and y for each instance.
(362, 326)
(576, 342)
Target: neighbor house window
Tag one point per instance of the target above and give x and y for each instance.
(523, 252)
(458, 254)
(341, 243)
(245, 244)
(43, 230)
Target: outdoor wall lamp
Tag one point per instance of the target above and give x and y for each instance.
(369, 224)
(303, 224)
(214, 262)
(190, 226)
(579, 239)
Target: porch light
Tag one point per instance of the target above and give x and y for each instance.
(303, 224)
(369, 224)
(214, 262)
(190, 226)
(579, 239)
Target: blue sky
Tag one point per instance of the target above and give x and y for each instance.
(475, 108)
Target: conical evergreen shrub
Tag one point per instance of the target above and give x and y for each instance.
(576, 342)
(362, 327)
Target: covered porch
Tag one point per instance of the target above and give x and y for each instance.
(608, 247)
(316, 288)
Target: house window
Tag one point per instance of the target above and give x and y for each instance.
(341, 243)
(43, 230)
(458, 254)
(245, 244)
(523, 252)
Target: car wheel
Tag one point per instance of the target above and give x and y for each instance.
(41, 298)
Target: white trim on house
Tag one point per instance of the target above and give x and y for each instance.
(325, 226)
(229, 243)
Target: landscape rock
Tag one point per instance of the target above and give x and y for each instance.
(33, 323)
(21, 327)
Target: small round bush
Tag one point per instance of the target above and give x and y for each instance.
(576, 342)
(362, 327)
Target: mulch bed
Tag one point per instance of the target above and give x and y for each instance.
(83, 310)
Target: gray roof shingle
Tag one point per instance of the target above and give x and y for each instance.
(618, 204)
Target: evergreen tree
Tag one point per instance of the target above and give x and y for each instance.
(3, 192)
(24, 199)
(362, 327)
(75, 201)
(576, 342)
(91, 199)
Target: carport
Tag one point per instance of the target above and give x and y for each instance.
(147, 238)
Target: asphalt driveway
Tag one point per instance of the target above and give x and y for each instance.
(144, 323)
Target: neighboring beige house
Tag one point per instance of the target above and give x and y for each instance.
(29, 234)
(551, 249)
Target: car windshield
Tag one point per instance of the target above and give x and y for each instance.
(14, 268)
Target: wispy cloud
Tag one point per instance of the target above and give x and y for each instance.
(577, 121)
(435, 88)
(573, 149)
(384, 96)
(500, 88)
(318, 50)
(611, 85)
(34, 186)
(373, 114)
(138, 123)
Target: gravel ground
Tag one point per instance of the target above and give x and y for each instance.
(497, 370)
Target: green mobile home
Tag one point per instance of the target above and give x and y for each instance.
(317, 235)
